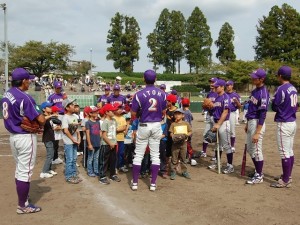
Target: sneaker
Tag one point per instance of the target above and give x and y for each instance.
(257, 179)
(46, 175)
(57, 161)
(280, 177)
(72, 180)
(78, 154)
(213, 159)
(52, 172)
(104, 180)
(115, 178)
(229, 169)
(186, 175)
(28, 209)
(91, 175)
(173, 175)
(213, 166)
(281, 184)
(152, 187)
(233, 149)
(123, 169)
(78, 178)
(77, 165)
(203, 155)
(133, 186)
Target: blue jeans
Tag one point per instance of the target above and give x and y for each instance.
(71, 157)
(50, 153)
(93, 161)
(121, 155)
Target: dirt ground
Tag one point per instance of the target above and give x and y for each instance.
(208, 198)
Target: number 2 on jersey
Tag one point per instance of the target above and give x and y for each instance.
(153, 105)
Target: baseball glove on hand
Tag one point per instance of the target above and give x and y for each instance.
(179, 138)
(72, 128)
(56, 121)
(210, 136)
(207, 104)
(30, 126)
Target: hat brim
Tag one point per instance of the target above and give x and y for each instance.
(253, 76)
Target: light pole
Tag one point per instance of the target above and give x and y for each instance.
(91, 50)
(3, 6)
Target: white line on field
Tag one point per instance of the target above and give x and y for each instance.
(111, 207)
(5, 155)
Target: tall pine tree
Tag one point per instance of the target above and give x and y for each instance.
(225, 44)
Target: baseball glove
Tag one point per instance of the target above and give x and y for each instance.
(210, 136)
(72, 128)
(207, 104)
(56, 121)
(179, 138)
(30, 126)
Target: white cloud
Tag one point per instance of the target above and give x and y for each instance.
(84, 24)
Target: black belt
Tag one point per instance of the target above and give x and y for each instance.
(143, 124)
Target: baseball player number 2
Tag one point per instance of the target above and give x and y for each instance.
(5, 110)
(153, 105)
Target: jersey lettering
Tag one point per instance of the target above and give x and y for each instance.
(153, 106)
(5, 110)
(294, 100)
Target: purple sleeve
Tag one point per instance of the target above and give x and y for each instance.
(262, 117)
(263, 108)
(276, 100)
(135, 104)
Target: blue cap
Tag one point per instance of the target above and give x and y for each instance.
(21, 74)
(46, 104)
(230, 82)
(116, 87)
(258, 74)
(213, 79)
(219, 83)
(285, 71)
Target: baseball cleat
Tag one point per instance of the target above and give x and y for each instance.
(280, 177)
(281, 184)
(203, 155)
(28, 209)
(229, 169)
(133, 186)
(213, 166)
(152, 187)
(257, 179)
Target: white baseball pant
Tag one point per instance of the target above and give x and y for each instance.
(224, 137)
(232, 120)
(285, 138)
(255, 149)
(23, 148)
(148, 134)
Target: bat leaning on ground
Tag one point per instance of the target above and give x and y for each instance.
(244, 161)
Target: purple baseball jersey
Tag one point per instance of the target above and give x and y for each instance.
(120, 99)
(232, 104)
(151, 102)
(284, 103)
(221, 103)
(212, 96)
(258, 104)
(57, 99)
(103, 99)
(16, 104)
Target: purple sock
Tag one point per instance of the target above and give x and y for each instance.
(232, 141)
(154, 172)
(254, 162)
(259, 167)
(204, 147)
(216, 155)
(286, 163)
(292, 159)
(22, 191)
(135, 173)
(229, 158)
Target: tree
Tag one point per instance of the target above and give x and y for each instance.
(198, 41)
(177, 34)
(80, 67)
(225, 44)
(152, 43)
(279, 35)
(123, 38)
(114, 38)
(39, 57)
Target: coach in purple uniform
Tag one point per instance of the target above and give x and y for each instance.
(15, 105)
(151, 103)
(57, 97)
(284, 103)
(102, 100)
(116, 97)
(255, 127)
(234, 104)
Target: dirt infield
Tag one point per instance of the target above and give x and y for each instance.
(208, 198)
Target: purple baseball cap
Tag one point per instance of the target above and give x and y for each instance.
(285, 71)
(219, 82)
(107, 88)
(57, 84)
(162, 86)
(21, 74)
(258, 74)
(150, 76)
(174, 92)
(213, 79)
(116, 87)
(230, 82)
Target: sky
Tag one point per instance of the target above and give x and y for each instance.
(85, 24)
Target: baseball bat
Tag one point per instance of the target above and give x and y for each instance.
(244, 161)
(218, 153)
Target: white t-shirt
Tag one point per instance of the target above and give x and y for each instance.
(66, 120)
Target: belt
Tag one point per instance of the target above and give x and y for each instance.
(143, 124)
